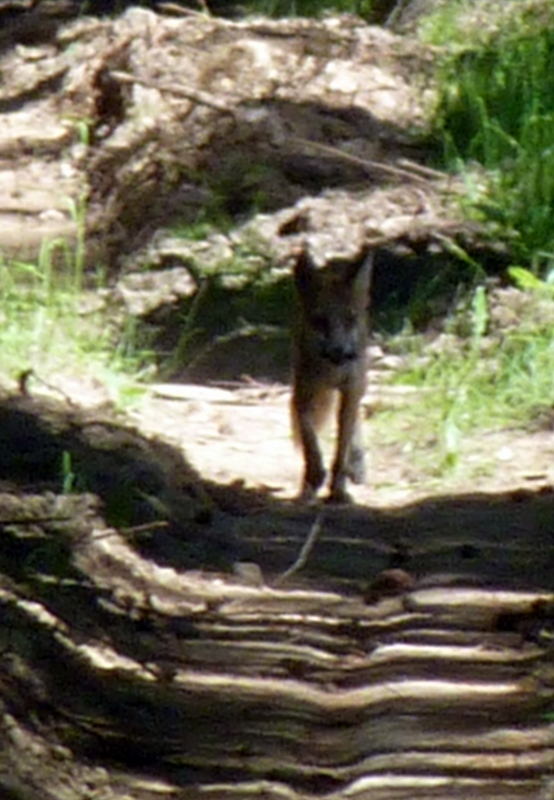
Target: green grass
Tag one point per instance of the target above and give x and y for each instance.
(442, 27)
(46, 328)
(497, 110)
(495, 377)
(496, 126)
(308, 8)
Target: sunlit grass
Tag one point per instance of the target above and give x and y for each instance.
(497, 110)
(491, 379)
(50, 329)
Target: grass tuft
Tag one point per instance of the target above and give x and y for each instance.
(497, 110)
(310, 8)
(47, 330)
(500, 375)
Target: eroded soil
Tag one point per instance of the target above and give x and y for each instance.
(243, 435)
(162, 633)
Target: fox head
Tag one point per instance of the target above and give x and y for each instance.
(334, 302)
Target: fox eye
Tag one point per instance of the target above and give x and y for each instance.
(319, 322)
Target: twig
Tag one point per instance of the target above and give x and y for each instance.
(267, 331)
(175, 10)
(24, 378)
(412, 171)
(307, 548)
(108, 533)
(147, 526)
(194, 95)
(23, 381)
(362, 162)
(421, 169)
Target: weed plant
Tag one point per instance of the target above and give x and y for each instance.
(309, 8)
(496, 125)
(490, 378)
(45, 327)
(498, 110)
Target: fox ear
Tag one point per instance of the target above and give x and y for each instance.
(304, 272)
(361, 277)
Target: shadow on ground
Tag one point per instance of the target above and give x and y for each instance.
(175, 517)
(149, 639)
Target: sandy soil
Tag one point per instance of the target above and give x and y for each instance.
(243, 435)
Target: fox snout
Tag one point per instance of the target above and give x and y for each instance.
(338, 354)
(338, 347)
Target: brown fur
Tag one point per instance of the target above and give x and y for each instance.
(329, 368)
(324, 406)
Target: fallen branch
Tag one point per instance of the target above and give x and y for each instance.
(305, 551)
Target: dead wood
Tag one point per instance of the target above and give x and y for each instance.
(143, 120)
(126, 669)
(115, 131)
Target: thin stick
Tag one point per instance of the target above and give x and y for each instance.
(194, 95)
(421, 169)
(307, 548)
(23, 386)
(367, 163)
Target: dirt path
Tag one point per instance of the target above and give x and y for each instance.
(243, 435)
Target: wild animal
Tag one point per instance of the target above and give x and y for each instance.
(329, 368)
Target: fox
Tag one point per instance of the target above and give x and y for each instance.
(329, 365)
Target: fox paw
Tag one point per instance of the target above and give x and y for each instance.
(314, 478)
(356, 465)
(339, 496)
(307, 495)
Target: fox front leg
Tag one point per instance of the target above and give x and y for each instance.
(355, 464)
(314, 471)
(349, 457)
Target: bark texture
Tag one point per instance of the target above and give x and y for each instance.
(131, 668)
